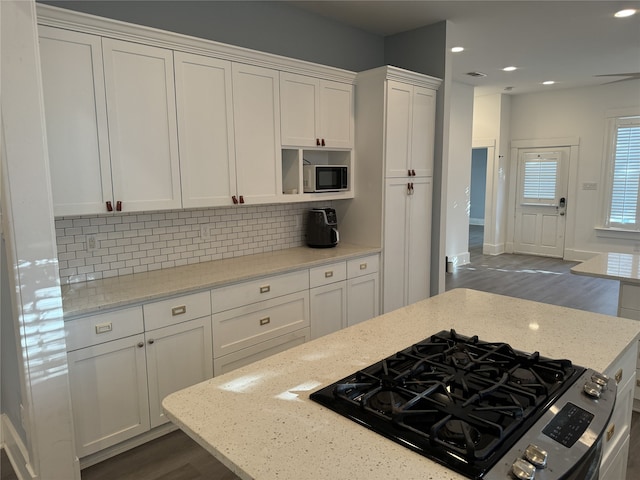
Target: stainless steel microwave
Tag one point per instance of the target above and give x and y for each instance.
(325, 178)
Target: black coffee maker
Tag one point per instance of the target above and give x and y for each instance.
(322, 228)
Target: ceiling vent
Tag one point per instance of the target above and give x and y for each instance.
(476, 74)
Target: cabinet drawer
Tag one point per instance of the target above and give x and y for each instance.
(629, 313)
(176, 310)
(625, 367)
(246, 326)
(326, 274)
(363, 266)
(259, 351)
(619, 426)
(233, 296)
(104, 327)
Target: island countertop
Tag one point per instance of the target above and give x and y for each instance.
(97, 295)
(260, 423)
(611, 265)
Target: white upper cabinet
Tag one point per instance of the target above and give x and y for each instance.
(205, 120)
(142, 126)
(76, 119)
(256, 112)
(315, 112)
(410, 129)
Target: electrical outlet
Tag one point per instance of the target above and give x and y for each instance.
(92, 243)
(205, 231)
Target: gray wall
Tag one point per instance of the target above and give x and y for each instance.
(420, 50)
(271, 27)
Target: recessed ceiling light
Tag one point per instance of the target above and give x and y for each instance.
(457, 49)
(625, 13)
(548, 82)
(510, 69)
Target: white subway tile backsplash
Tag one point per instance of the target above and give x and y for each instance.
(142, 242)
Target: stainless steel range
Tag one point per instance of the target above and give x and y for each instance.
(482, 409)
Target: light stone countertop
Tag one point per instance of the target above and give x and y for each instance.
(615, 266)
(98, 295)
(259, 421)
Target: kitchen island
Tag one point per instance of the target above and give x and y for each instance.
(260, 423)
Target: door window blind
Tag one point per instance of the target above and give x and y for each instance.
(540, 180)
(623, 211)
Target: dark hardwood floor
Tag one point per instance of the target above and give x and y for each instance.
(176, 457)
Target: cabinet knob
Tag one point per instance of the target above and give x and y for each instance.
(151, 341)
(109, 207)
(241, 199)
(323, 142)
(413, 173)
(317, 142)
(140, 344)
(234, 199)
(119, 206)
(409, 173)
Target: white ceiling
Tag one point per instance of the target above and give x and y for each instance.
(571, 42)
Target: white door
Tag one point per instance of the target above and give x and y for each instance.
(398, 128)
(256, 111)
(422, 131)
(328, 305)
(178, 356)
(336, 114)
(205, 133)
(541, 201)
(419, 240)
(142, 125)
(299, 97)
(362, 298)
(76, 116)
(109, 396)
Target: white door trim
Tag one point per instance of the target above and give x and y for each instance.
(491, 239)
(573, 143)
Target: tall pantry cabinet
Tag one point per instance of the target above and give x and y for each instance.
(395, 120)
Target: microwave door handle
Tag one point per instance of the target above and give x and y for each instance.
(337, 234)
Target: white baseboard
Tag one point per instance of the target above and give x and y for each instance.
(122, 447)
(16, 450)
(493, 249)
(578, 255)
(459, 259)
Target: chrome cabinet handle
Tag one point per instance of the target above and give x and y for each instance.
(618, 376)
(611, 431)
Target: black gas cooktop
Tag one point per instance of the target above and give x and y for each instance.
(457, 400)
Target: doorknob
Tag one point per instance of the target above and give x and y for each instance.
(563, 202)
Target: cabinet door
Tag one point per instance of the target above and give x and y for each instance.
(178, 356)
(256, 111)
(328, 308)
(205, 130)
(398, 128)
(395, 244)
(363, 299)
(422, 131)
(299, 98)
(142, 125)
(76, 118)
(419, 240)
(336, 114)
(108, 384)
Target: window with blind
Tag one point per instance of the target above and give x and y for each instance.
(540, 180)
(624, 175)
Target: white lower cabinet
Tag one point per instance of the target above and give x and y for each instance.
(178, 356)
(123, 363)
(363, 289)
(109, 396)
(328, 308)
(615, 444)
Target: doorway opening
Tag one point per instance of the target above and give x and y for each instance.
(477, 200)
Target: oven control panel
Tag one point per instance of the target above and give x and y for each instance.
(569, 431)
